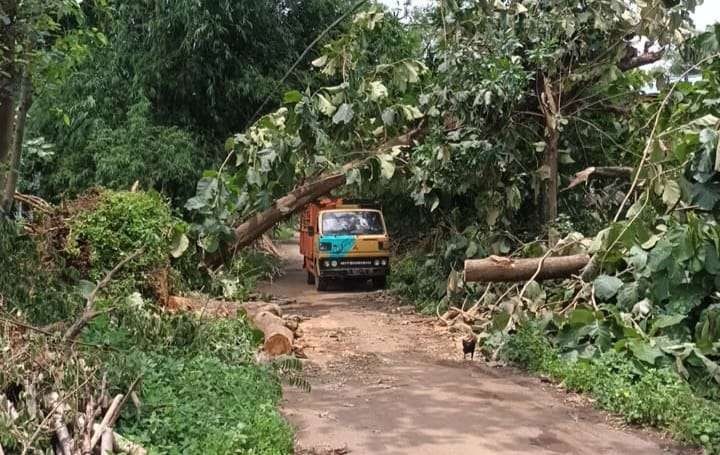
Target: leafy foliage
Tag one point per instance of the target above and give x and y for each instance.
(153, 100)
(160, 158)
(371, 101)
(185, 415)
(122, 223)
(28, 286)
(646, 395)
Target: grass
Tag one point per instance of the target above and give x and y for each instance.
(653, 396)
(199, 404)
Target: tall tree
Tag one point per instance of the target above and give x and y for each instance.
(28, 29)
(558, 62)
(8, 82)
(189, 72)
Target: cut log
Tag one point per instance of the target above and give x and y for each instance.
(505, 269)
(107, 421)
(106, 442)
(252, 308)
(66, 443)
(278, 338)
(124, 445)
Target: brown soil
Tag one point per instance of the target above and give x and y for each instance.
(391, 382)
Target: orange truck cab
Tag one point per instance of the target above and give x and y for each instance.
(344, 239)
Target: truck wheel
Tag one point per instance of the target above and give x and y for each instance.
(379, 282)
(310, 277)
(321, 283)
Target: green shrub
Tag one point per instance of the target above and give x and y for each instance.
(29, 286)
(419, 279)
(122, 223)
(655, 396)
(198, 404)
(201, 391)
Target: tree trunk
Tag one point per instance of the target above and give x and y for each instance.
(505, 269)
(13, 161)
(549, 174)
(253, 228)
(8, 84)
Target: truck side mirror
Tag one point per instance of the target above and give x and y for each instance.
(310, 231)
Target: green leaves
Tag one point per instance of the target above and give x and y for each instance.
(325, 106)
(665, 321)
(644, 350)
(606, 287)
(581, 317)
(291, 97)
(344, 114)
(671, 193)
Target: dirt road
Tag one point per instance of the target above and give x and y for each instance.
(384, 382)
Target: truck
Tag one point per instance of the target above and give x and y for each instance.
(342, 239)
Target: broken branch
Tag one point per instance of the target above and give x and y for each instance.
(89, 312)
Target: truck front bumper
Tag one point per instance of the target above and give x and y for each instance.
(354, 272)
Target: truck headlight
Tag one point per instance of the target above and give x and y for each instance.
(334, 263)
(376, 262)
(384, 262)
(326, 263)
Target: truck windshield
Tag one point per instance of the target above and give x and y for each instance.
(352, 223)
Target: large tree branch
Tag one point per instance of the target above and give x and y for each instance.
(89, 311)
(603, 171)
(298, 198)
(633, 59)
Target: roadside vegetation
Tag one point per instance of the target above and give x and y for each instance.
(198, 386)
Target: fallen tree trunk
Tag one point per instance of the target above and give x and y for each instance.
(278, 337)
(499, 269)
(251, 229)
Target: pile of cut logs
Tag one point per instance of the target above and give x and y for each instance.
(88, 435)
(279, 330)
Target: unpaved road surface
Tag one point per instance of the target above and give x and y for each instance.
(388, 382)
